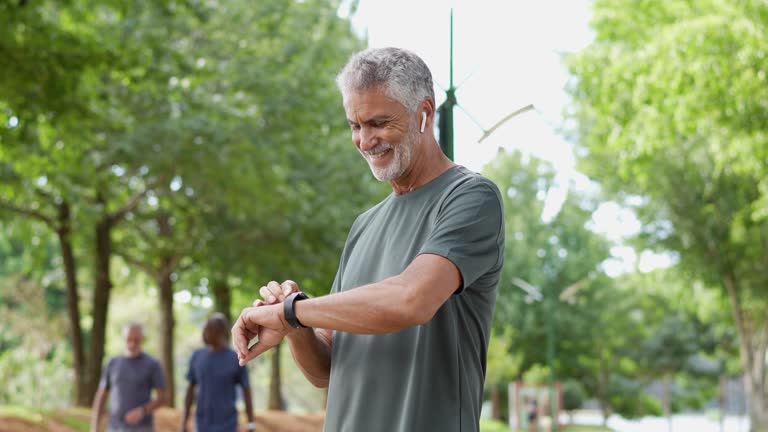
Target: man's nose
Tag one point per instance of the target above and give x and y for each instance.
(368, 138)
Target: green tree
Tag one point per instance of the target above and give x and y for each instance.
(670, 105)
(151, 130)
(594, 330)
(503, 366)
(573, 397)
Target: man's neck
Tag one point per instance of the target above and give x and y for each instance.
(425, 167)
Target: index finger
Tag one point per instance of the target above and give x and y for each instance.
(239, 337)
(256, 350)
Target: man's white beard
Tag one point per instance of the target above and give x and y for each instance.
(401, 159)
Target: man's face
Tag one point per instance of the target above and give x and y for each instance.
(133, 339)
(384, 132)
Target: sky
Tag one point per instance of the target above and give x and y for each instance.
(507, 54)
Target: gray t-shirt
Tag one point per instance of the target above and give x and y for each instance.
(428, 377)
(130, 381)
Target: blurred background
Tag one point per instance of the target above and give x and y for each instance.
(161, 160)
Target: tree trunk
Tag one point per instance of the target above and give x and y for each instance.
(667, 399)
(602, 397)
(102, 288)
(753, 347)
(165, 286)
(757, 401)
(275, 384)
(605, 411)
(166, 267)
(495, 402)
(81, 396)
(222, 297)
(721, 400)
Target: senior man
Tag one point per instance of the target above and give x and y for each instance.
(401, 340)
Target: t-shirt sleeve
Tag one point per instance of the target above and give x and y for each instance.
(468, 231)
(191, 370)
(104, 382)
(158, 380)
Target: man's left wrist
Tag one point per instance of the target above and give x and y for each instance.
(287, 327)
(289, 311)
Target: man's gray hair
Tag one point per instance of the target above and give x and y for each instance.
(402, 74)
(133, 325)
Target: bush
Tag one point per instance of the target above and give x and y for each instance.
(493, 426)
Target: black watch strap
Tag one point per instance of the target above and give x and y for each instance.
(290, 312)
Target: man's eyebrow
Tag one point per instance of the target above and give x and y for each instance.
(377, 118)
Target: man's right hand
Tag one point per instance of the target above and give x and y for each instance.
(135, 415)
(274, 292)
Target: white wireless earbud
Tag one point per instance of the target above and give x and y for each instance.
(423, 121)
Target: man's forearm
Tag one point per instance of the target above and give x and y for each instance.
(248, 403)
(189, 399)
(96, 410)
(409, 299)
(155, 403)
(382, 307)
(311, 349)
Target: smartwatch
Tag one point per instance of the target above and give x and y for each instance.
(290, 312)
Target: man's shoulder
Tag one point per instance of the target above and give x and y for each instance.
(150, 361)
(468, 185)
(112, 361)
(468, 180)
(197, 353)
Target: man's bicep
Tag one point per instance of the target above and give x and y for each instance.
(469, 233)
(434, 278)
(101, 395)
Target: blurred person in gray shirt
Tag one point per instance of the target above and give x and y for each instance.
(128, 381)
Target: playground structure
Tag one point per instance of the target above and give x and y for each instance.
(529, 407)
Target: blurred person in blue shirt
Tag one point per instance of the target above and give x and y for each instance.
(215, 372)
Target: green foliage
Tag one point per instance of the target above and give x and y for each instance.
(574, 395)
(34, 358)
(220, 154)
(536, 375)
(628, 399)
(551, 255)
(670, 104)
(487, 425)
(503, 363)
(677, 117)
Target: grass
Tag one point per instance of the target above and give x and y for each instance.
(21, 412)
(73, 418)
(497, 426)
(77, 419)
(586, 428)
